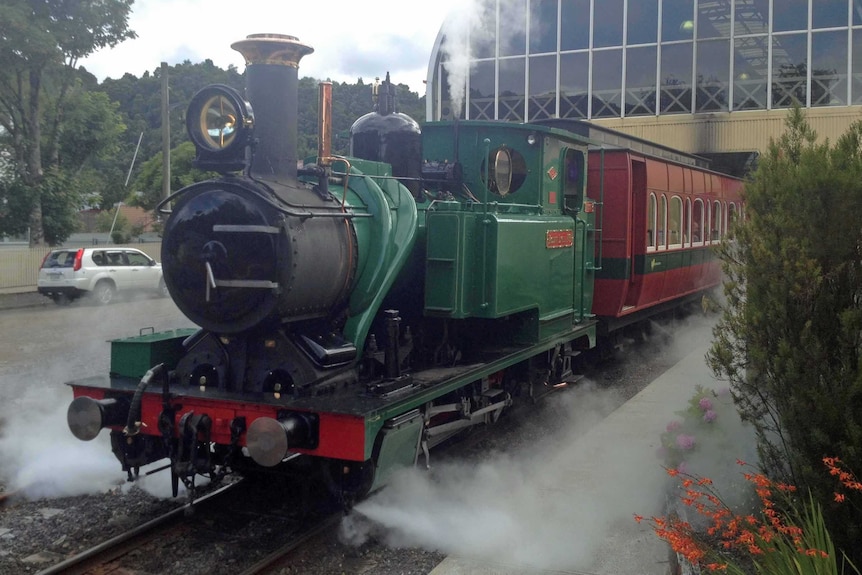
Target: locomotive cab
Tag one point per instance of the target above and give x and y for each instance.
(520, 192)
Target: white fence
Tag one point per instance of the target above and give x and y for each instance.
(19, 266)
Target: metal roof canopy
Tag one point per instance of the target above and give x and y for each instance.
(613, 139)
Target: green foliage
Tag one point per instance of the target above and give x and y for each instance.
(148, 185)
(91, 128)
(15, 207)
(40, 45)
(140, 103)
(349, 103)
(105, 220)
(782, 555)
(56, 116)
(790, 337)
(61, 199)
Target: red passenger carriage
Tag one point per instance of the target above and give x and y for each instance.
(660, 222)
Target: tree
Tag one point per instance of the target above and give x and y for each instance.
(148, 185)
(790, 337)
(40, 45)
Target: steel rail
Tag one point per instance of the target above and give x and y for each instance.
(80, 563)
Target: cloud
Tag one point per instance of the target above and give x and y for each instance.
(354, 42)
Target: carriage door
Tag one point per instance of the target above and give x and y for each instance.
(638, 233)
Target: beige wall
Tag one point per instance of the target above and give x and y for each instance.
(730, 132)
(19, 267)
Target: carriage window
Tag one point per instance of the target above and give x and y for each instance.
(731, 215)
(662, 223)
(651, 213)
(715, 227)
(697, 222)
(675, 222)
(686, 223)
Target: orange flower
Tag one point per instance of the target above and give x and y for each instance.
(839, 497)
(673, 472)
(638, 518)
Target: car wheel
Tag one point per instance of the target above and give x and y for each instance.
(163, 288)
(104, 292)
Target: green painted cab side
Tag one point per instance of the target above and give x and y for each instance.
(492, 254)
(494, 265)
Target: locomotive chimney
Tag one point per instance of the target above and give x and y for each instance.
(272, 65)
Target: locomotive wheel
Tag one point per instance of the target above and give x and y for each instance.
(349, 481)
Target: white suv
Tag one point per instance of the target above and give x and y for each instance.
(68, 274)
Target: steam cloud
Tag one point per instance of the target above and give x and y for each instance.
(44, 459)
(474, 24)
(39, 456)
(539, 508)
(565, 502)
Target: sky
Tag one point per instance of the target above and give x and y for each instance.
(351, 39)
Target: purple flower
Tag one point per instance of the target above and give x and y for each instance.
(684, 441)
(705, 404)
(673, 425)
(709, 416)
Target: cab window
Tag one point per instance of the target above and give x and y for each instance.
(573, 177)
(506, 170)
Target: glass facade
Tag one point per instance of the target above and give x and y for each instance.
(536, 59)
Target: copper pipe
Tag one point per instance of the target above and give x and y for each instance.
(324, 125)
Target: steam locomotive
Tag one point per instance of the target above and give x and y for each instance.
(357, 311)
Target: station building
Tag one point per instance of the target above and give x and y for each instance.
(713, 78)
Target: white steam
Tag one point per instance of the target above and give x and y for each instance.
(43, 459)
(474, 23)
(542, 508)
(470, 22)
(39, 456)
(563, 502)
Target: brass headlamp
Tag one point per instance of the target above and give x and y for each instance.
(219, 122)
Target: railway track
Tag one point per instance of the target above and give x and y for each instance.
(281, 556)
(99, 558)
(6, 497)
(215, 518)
